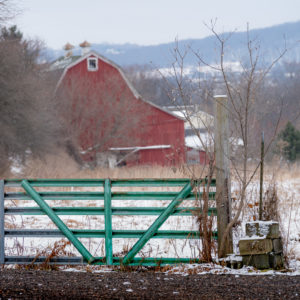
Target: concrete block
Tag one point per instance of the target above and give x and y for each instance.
(276, 261)
(233, 261)
(260, 261)
(277, 245)
(268, 229)
(255, 246)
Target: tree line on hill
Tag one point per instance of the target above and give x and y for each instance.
(272, 39)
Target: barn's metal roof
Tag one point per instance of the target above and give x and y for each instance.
(63, 62)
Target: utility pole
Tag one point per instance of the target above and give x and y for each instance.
(222, 155)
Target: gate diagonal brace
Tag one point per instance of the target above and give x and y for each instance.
(57, 221)
(157, 223)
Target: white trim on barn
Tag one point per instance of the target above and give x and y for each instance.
(141, 148)
(136, 149)
(92, 64)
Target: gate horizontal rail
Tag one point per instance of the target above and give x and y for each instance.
(97, 182)
(34, 190)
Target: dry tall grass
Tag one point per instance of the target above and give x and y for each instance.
(62, 166)
(280, 202)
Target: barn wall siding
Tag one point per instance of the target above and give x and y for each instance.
(150, 125)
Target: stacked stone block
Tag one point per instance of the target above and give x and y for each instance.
(262, 246)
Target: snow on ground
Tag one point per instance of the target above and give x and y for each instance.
(200, 269)
(289, 207)
(288, 192)
(213, 268)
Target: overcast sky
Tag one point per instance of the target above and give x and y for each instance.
(145, 22)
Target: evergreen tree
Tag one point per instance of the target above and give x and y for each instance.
(12, 33)
(291, 138)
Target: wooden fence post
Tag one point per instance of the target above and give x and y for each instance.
(222, 155)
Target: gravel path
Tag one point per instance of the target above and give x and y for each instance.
(24, 284)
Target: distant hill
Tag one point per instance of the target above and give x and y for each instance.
(272, 40)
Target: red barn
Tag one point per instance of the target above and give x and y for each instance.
(109, 121)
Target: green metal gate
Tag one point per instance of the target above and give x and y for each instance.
(24, 190)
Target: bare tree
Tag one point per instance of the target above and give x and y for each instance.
(242, 93)
(148, 83)
(286, 85)
(8, 10)
(244, 89)
(190, 95)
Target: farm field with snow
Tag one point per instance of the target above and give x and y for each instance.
(282, 192)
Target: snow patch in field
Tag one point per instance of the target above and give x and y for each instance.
(16, 165)
(212, 268)
(253, 237)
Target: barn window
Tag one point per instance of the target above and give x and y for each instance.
(92, 64)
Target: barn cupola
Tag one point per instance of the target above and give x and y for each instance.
(85, 47)
(68, 49)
